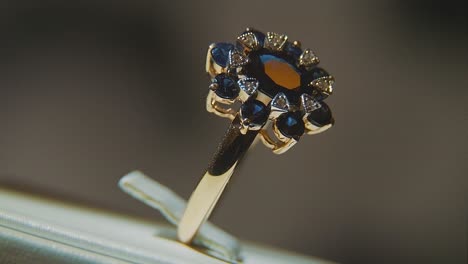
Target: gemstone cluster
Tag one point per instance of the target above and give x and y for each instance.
(272, 66)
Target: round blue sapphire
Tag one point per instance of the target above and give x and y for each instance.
(291, 124)
(292, 50)
(220, 53)
(319, 96)
(312, 75)
(260, 36)
(227, 86)
(321, 117)
(255, 111)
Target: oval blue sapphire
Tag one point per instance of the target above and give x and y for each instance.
(227, 86)
(220, 53)
(255, 111)
(321, 117)
(291, 124)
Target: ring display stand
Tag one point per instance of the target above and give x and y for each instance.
(38, 230)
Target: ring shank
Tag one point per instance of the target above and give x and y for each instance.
(208, 191)
(231, 149)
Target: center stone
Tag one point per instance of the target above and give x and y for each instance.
(281, 72)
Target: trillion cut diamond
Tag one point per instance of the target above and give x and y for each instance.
(249, 40)
(249, 85)
(308, 58)
(309, 104)
(324, 84)
(280, 102)
(275, 41)
(237, 59)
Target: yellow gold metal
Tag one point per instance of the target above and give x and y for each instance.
(311, 129)
(297, 43)
(265, 99)
(211, 67)
(286, 143)
(201, 204)
(213, 86)
(246, 125)
(279, 146)
(214, 104)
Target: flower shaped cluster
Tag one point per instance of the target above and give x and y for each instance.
(275, 80)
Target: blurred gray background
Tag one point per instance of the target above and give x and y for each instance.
(88, 93)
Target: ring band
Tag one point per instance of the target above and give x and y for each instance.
(281, 91)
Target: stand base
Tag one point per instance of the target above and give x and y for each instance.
(37, 230)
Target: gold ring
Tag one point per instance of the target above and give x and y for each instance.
(281, 91)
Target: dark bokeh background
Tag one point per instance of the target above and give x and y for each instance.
(90, 90)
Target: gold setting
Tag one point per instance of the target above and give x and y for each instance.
(211, 67)
(218, 106)
(278, 143)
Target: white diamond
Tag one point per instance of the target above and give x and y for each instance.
(280, 102)
(237, 59)
(308, 58)
(275, 41)
(249, 85)
(249, 40)
(324, 84)
(309, 104)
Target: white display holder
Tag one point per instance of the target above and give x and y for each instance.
(39, 230)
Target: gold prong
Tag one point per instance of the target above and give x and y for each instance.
(311, 129)
(244, 129)
(297, 44)
(211, 67)
(266, 139)
(285, 147)
(213, 86)
(213, 105)
(281, 144)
